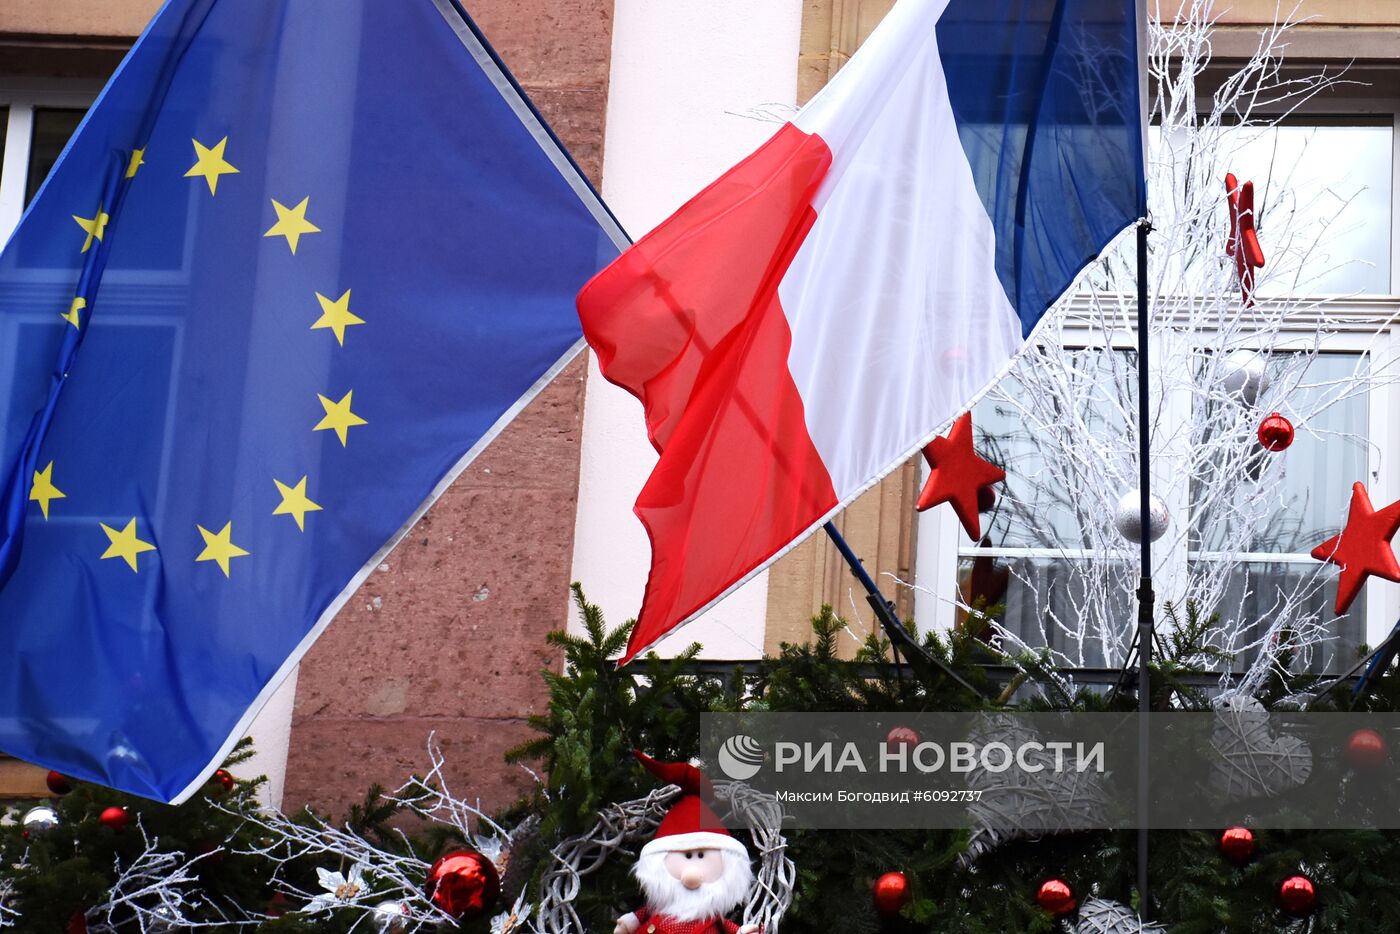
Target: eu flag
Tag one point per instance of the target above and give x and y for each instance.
(299, 264)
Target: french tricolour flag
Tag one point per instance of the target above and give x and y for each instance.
(811, 319)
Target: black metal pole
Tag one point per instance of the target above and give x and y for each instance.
(1144, 594)
(900, 637)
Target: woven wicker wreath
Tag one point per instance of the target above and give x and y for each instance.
(1100, 916)
(620, 830)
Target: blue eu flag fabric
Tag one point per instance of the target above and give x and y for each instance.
(299, 264)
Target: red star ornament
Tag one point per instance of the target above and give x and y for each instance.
(1363, 547)
(957, 474)
(1243, 242)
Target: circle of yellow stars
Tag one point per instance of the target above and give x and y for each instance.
(212, 164)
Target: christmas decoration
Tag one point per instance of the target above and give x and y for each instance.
(1297, 896)
(391, 916)
(1127, 517)
(58, 783)
(1100, 916)
(1275, 432)
(39, 820)
(1237, 845)
(1043, 798)
(1243, 376)
(1243, 241)
(340, 888)
(901, 736)
(1366, 749)
(515, 921)
(1363, 547)
(1253, 762)
(957, 475)
(1056, 897)
(891, 893)
(693, 872)
(223, 779)
(115, 817)
(464, 884)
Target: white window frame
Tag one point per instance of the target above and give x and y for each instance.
(21, 97)
(941, 537)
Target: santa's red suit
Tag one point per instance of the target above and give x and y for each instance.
(660, 924)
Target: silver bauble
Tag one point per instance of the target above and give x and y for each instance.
(1127, 517)
(1242, 376)
(39, 820)
(391, 916)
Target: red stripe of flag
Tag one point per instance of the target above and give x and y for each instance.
(688, 321)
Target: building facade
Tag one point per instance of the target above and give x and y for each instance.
(654, 100)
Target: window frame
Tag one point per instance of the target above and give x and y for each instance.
(21, 97)
(1371, 328)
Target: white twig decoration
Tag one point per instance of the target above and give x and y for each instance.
(156, 893)
(1076, 410)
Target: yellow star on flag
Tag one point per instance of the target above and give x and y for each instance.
(291, 223)
(72, 316)
(93, 226)
(43, 491)
(338, 417)
(210, 164)
(336, 315)
(125, 544)
(138, 159)
(295, 502)
(219, 546)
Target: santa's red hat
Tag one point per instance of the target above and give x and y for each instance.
(690, 823)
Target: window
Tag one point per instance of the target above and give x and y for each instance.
(52, 128)
(1067, 583)
(36, 120)
(1037, 556)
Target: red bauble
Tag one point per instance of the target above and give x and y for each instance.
(1275, 432)
(1365, 749)
(1056, 897)
(1237, 845)
(222, 778)
(901, 736)
(1297, 896)
(891, 893)
(463, 884)
(58, 783)
(115, 817)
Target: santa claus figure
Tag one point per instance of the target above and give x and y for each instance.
(693, 872)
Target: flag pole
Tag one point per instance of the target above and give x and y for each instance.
(1145, 594)
(900, 637)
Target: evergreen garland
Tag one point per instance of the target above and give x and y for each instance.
(599, 712)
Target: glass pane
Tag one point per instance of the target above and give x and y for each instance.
(1257, 595)
(1334, 175)
(1322, 191)
(1040, 504)
(52, 128)
(1306, 490)
(1045, 603)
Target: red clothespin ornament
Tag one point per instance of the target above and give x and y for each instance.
(1243, 243)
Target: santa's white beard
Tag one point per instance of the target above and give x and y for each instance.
(668, 896)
